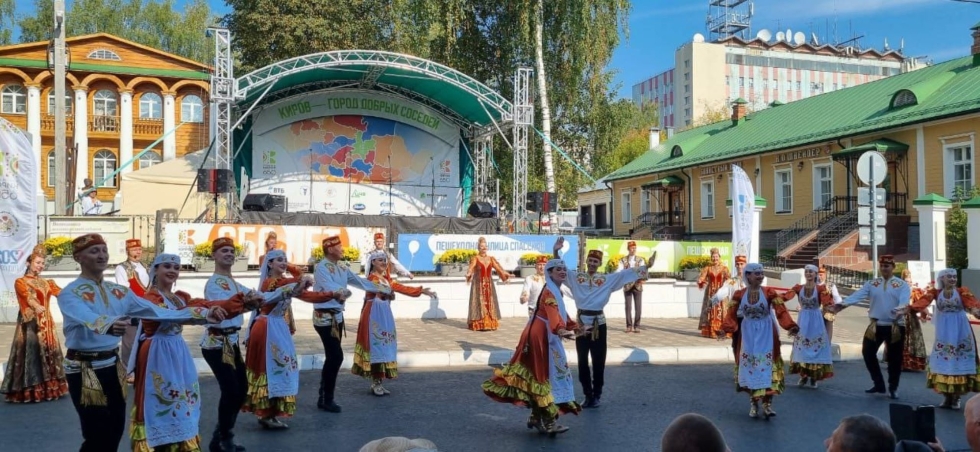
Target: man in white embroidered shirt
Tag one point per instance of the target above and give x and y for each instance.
(591, 292)
(888, 298)
(90, 203)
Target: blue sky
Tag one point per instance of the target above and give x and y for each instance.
(938, 29)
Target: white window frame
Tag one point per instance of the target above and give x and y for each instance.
(646, 199)
(626, 205)
(151, 106)
(50, 163)
(731, 194)
(102, 166)
(105, 102)
(778, 198)
(68, 102)
(13, 99)
(149, 159)
(949, 164)
(818, 202)
(707, 199)
(192, 109)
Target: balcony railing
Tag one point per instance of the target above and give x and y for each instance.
(47, 123)
(147, 126)
(103, 123)
(895, 202)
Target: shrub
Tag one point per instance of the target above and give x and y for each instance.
(695, 262)
(457, 256)
(58, 246)
(531, 258)
(351, 254)
(316, 254)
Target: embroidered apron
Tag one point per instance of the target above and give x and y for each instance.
(811, 346)
(559, 375)
(755, 356)
(282, 370)
(954, 352)
(383, 339)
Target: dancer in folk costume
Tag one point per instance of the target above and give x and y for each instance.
(131, 273)
(35, 371)
(632, 292)
(811, 358)
(166, 403)
(96, 314)
(376, 350)
(592, 291)
(394, 267)
(538, 376)
(888, 297)
(712, 278)
(758, 364)
(484, 313)
(270, 358)
(914, 356)
(953, 364)
(828, 315)
(271, 244)
(533, 285)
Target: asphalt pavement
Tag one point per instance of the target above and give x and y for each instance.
(447, 407)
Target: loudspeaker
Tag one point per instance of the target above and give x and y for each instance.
(538, 201)
(214, 180)
(480, 209)
(265, 202)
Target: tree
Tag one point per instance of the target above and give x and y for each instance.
(6, 21)
(956, 228)
(154, 24)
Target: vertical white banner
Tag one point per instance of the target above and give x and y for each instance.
(743, 205)
(18, 212)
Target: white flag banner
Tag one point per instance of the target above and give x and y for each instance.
(743, 206)
(18, 212)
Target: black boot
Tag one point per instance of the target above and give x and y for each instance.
(321, 402)
(215, 444)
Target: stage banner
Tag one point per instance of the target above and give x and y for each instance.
(405, 149)
(420, 252)
(743, 209)
(297, 241)
(669, 253)
(18, 212)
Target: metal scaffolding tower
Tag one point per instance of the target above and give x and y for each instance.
(523, 120)
(223, 94)
(729, 18)
(483, 166)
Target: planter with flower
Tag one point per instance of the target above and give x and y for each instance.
(455, 262)
(204, 263)
(612, 265)
(59, 251)
(691, 266)
(352, 256)
(528, 262)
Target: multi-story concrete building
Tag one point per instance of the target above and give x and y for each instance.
(707, 76)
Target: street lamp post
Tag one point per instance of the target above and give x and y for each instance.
(57, 62)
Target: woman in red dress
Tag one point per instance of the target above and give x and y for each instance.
(712, 278)
(484, 312)
(34, 370)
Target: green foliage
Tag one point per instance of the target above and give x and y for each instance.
(157, 24)
(457, 256)
(59, 246)
(956, 230)
(613, 263)
(351, 254)
(6, 21)
(694, 262)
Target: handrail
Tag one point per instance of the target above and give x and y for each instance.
(846, 277)
(809, 223)
(835, 230)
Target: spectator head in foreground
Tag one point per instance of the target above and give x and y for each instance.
(399, 444)
(861, 433)
(972, 415)
(692, 433)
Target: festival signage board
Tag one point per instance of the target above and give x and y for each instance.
(669, 253)
(297, 241)
(420, 252)
(18, 212)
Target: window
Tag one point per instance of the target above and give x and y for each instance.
(687, 63)
(104, 103)
(959, 160)
(823, 186)
(191, 109)
(784, 191)
(13, 100)
(707, 200)
(50, 169)
(103, 54)
(731, 194)
(728, 80)
(799, 86)
(741, 81)
(687, 76)
(151, 106)
(626, 205)
(903, 98)
(687, 100)
(149, 159)
(68, 100)
(687, 88)
(646, 201)
(104, 164)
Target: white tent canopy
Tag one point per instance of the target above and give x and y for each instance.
(164, 186)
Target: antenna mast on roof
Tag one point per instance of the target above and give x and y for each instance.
(727, 18)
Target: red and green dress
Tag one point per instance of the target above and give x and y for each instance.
(376, 350)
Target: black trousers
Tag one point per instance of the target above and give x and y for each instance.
(631, 296)
(593, 380)
(102, 426)
(894, 355)
(233, 384)
(334, 357)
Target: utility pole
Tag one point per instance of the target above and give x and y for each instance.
(60, 140)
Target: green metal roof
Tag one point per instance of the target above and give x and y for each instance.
(843, 113)
(881, 145)
(109, 69)
(464, 100)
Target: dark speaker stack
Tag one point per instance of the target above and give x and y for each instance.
(542, 201)
(214, 180)
(480, 209)
(264, 202)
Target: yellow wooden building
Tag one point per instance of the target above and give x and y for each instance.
(801, 158)
(121, 97)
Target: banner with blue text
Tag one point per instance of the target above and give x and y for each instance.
(420, 252)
